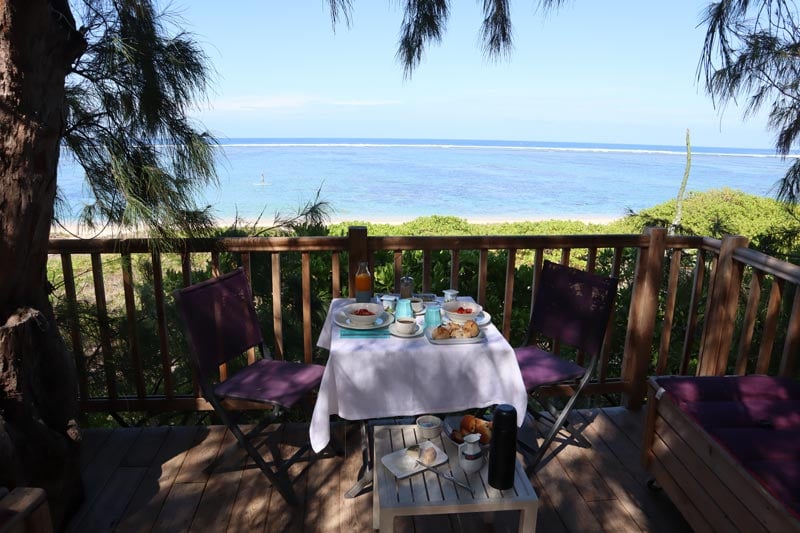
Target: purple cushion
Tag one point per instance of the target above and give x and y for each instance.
(729, 388)
(781, 478)
(754, 444)
(764, 413)
(539, 367)
(755, 418)
(279, 382)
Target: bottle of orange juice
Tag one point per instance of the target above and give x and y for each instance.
(363, 283)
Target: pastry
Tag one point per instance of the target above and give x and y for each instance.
(458, 333)
(473, 424)
(441, 332)
(427, 455)
(470, 328)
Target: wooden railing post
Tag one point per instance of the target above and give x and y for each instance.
(721, 305)
(642, 317)
(357, 251)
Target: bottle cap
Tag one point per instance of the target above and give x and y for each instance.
(504, 414)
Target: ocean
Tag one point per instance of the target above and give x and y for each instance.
(394, 180)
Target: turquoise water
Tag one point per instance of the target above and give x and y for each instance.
(400, 179)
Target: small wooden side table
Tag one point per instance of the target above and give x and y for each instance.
(426, 493)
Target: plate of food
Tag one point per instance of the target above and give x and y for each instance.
(380, 321)
(454, 333)
(456, 427)
(403, 463)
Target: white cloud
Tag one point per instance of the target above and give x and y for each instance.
(364, 103)
(292, 102)
(263, 103)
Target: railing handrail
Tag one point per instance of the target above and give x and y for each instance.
(653, 291)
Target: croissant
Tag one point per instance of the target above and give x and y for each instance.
(485, 430)
(472, 424)
(440, 333)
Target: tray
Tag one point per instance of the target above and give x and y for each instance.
(472, 340)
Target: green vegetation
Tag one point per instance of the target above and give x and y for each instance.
(766, 222)
(713, 214)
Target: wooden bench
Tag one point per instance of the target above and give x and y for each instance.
(25, 510)
(722, 450)
(425, 493)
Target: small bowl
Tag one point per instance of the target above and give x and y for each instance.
(405, 325)
(451, 310)
(363, 314)
(429, 426)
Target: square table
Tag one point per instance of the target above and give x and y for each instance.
(369, 378)
(426, 493)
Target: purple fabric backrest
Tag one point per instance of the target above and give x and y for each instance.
(573, 306)
(219, 319)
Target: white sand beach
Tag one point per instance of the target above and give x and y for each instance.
(73, 230)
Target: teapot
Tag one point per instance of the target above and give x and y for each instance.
(470, 454)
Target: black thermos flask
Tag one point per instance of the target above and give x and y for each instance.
(503, 447)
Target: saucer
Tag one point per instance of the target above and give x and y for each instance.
(393, 331)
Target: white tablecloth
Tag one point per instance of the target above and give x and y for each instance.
(384, 377)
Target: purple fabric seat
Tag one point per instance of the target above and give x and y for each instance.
(571, 307)
(279, 382)
(755, 418)
(221, 324)
(540, 367)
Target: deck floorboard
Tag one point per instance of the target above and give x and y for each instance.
(158, 479)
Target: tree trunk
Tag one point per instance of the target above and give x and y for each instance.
(39, 440)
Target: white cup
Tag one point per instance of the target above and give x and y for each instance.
(406, 326)
(416, 304)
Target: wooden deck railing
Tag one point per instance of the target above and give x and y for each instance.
(682, 308)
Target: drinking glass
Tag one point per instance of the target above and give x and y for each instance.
(403, 308)
(433, 315)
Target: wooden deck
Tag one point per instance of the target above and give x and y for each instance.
(153, 479)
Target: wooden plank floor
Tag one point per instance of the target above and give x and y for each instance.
(156, 479)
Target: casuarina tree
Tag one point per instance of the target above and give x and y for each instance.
(113, 91)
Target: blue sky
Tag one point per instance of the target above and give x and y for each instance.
(617, 71)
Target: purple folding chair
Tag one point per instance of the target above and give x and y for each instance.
(572, 307)
(220, 323)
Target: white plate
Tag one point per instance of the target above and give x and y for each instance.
(482, 319)
(382, 321)
(393, 331)
(472, 340)
(454, 422)
(402, 465)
